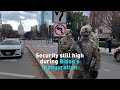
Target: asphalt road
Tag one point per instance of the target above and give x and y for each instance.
(110, 69)
(19, 68)
(48, 47)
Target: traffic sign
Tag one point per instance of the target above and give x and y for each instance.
(59, 16)
(59, 30)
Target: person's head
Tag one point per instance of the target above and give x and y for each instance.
(85, 31)
(68, 33)
(89, 26)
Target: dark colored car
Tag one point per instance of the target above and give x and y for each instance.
(117, 54)
(55, 39)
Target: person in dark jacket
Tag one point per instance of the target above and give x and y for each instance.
(109, 44)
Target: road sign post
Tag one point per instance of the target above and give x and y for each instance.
(59, 20)
(59, 17)
(59, 30)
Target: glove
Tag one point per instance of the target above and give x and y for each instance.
(94, 74)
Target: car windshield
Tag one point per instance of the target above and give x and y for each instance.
(10, 42)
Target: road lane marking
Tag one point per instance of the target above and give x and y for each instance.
(106, 70)
(10, 60)
(27, 45)
(53, 46)
(39, 46)
(50, 46)
(45, 46)
(17, 75)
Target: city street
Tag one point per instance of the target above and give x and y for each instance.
(47, 47)
(31, 27)
(110, 69)
(19, 68)
(26, 67)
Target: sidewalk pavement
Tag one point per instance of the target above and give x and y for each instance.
(58, 74)
(106, 51)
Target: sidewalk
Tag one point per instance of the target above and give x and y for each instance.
(52, 74)
(105, 51)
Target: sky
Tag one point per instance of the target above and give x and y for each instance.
(27, 18)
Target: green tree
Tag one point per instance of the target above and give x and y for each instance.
(6, 30)
(75, 20)
(28, 35)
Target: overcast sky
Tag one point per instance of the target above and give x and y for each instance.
(28, 18)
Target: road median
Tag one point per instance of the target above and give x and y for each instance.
(48, 73)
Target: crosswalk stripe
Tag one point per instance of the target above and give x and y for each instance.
(45, 46)
(42, 46)
(39, 46)
(50, 46)
(27, 45)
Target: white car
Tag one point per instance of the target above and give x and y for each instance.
(11, 48)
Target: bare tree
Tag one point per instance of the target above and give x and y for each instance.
(93, 19)
(109, 20)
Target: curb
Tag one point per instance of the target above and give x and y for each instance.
(47, 72)
(107, 53)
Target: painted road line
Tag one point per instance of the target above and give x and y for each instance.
(38, 45)
(106, 70)
(27, 45)
(45, 46)
(13, 60)
(17, 75)
(50, 46)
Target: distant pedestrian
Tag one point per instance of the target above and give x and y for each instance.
(46, 38)
(49, 39)
(109, 41)
(41, 39)
(52, 39)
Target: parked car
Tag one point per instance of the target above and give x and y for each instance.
(55, 39)
(11, 48)
(117, 54)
